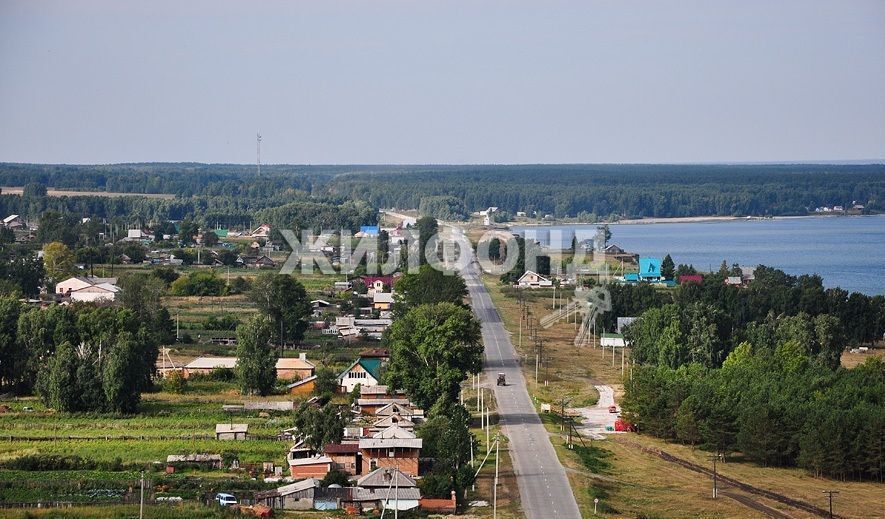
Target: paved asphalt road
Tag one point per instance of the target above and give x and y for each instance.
(543, 487)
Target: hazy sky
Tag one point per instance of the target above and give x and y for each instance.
(442, 82)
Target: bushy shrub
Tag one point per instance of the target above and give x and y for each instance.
(174, 382)
(223, 322)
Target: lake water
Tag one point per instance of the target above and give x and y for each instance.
(848, 252)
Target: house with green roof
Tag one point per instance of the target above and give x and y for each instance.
(365, 372)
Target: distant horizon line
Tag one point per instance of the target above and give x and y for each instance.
(851, 162)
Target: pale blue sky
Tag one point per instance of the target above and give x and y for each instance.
(442, 82)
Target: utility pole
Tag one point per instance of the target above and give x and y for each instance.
(714, 458)
(830, 494)
(141, 502)
(495, 489)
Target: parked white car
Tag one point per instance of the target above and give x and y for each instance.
(225, 499)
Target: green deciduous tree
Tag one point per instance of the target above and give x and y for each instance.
(284, 301)
(320, 426)
(257, 359)
(433, 348)
(58, 261)
(429, 286)
(12, 358)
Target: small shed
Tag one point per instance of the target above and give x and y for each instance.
(303, 387)
(295, 496)
(231, 431)
(615, 340)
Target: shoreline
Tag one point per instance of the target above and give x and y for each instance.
(685, 219)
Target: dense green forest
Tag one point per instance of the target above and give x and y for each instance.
(455, 191)
(757, 371)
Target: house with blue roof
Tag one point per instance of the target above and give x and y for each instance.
(369, 230)
(650, 269)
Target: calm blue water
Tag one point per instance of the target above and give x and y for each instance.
(848, 252)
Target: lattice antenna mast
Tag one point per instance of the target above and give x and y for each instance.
(258, 142)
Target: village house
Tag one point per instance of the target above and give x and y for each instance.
(88, 289)
(382, 301)
(650, 269)
(290, 368)
(614, 253)
(102, 292)
(363, 372)
(231, 431)
(388, 488)
(393, 448)
(256, 262)
(287, 368)
(312, 467)
(138, 235)
(735, 281)
(371, 406)
(405, 410)
(367, 231)
(370, 392)
(391, 420)
(531, 279)
(205, 365)
(345, 457)
(13, 222)
(262, 231)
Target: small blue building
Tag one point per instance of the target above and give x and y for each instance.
(369, 230)
(650, 269)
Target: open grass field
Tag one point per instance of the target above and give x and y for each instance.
(635, 482)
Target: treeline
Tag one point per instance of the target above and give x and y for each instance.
(776, 407)
(80, 358)
(183, 179)
(295, 211)
(455, 191)
(756, 370)
(624, 190)
(726, 312)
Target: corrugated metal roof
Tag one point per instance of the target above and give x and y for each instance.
(212, 363)
(379, 478)
(300, 462)
(390, 443)
(294, 363)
